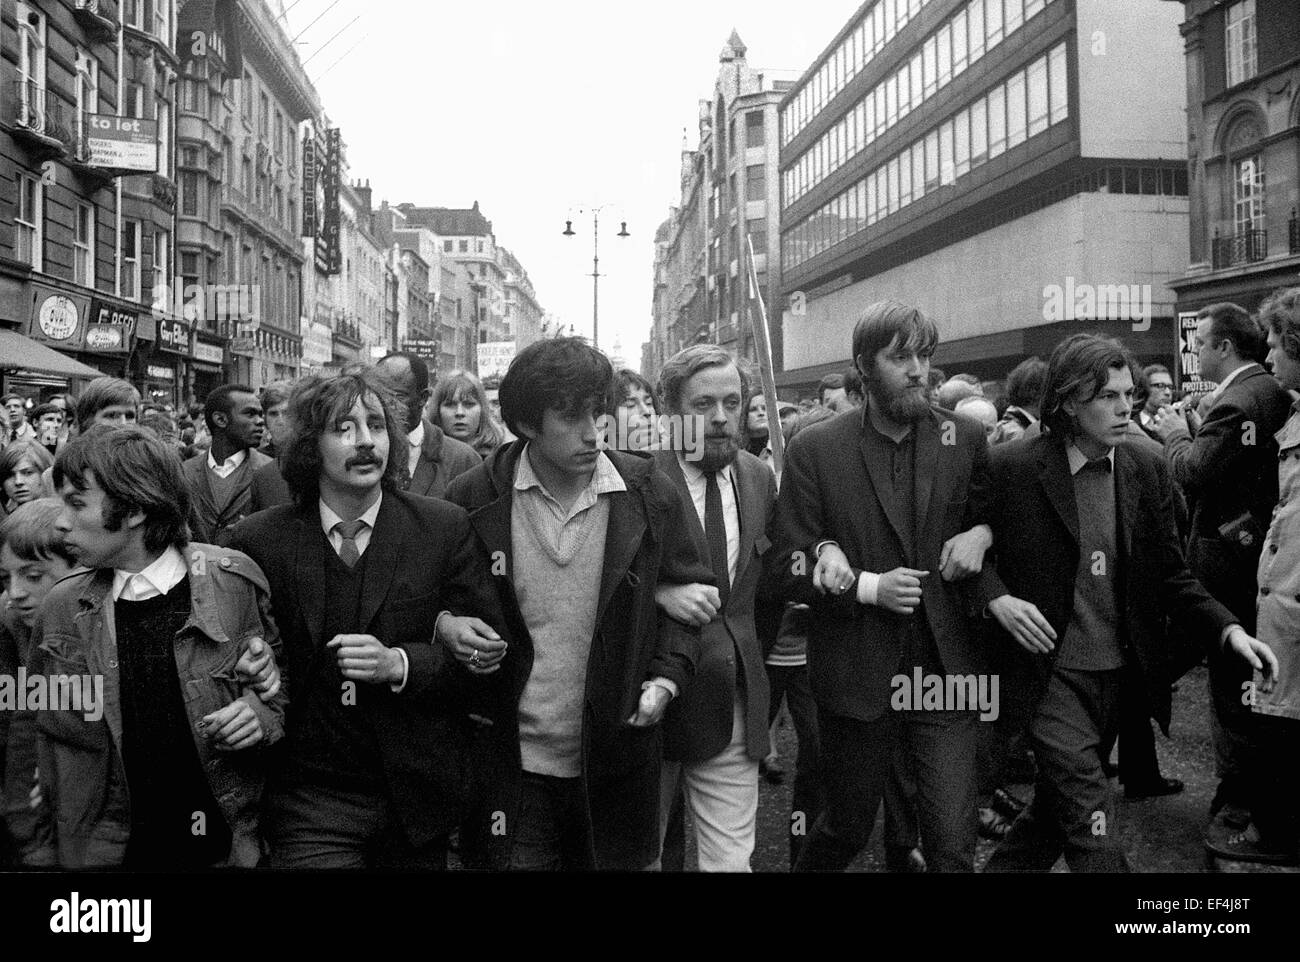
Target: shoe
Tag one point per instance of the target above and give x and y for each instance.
(903, 860)
(1245, 846)
(1006, 804)
(1166, 786)
(772, 771)
(993, 824)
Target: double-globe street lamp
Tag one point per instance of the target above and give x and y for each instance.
(595, 264)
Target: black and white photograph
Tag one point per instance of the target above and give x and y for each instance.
(464, 456)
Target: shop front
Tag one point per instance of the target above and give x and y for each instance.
(94, 330)
(207, 360)
(164, 368)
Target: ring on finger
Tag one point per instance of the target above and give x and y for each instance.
(473, 659)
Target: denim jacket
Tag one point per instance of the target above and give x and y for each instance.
(84, 816)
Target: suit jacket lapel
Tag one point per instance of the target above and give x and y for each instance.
(883, 484)
(381, 558)
(927, 460)
(670, 466)
(492, 522)
(623, 537)
(750, 510)
(1054, 475)
(202, 490)
(309, 565)
(1127, 491)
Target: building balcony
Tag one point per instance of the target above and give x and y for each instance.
(1243, 247)
(97, 17)
(39, 120)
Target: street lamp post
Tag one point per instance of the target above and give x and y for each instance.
(595, 265)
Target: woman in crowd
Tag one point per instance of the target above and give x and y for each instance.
(22, 475)
(636, 413)
(461, 408)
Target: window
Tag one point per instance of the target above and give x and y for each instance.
(246, 96)
(915, 83)
(292, 222)
(891, 102)
(133, 106)
(755, 132)
(1015, 109)
(1239, 42)
(163, 114)
(130, 242)
(189, 193)
(975, 11)
(31, 66)
(959, 43)
(87, 93)
(945, 54)
(133, 13)
(1015, 15)
(162, 251)
(1248, 194)
(246, 176)
(161, 20)
(29, 224)
(279, 134)
(755, 183)
(446, 247)
(1037, 95)
(947, 165)
(1056, 81)
(464, 247)
(997, 121)
(929, 55)
(83, 246)
(961, 143)
(892, 179)
(931, 160)
(757, 229)
(918, 170)
(992, 22)
(478, 246)
(263, 115)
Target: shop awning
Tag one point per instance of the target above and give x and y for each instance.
(18, 352)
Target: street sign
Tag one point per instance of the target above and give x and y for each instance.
(126, 143)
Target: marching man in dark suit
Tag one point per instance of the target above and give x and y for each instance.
(1088, 567)
(219, 479)
(365, 581)
(1227, 467)
(716, 733)
(887, 498)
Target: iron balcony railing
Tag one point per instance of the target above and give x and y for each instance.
(1243, 247)
(39, 113)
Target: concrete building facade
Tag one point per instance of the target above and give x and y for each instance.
(1015, 168)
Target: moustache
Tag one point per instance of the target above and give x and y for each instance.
(360, 460)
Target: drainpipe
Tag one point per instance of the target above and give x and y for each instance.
(117, 181)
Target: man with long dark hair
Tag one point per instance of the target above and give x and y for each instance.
(364, 576)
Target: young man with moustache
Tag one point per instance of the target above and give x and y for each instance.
(1088, 569)
(220, 478)
(580, 538)
(168, 772)
(878, 518)
(368, 584)
(716, 733)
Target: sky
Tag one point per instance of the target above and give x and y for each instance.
(540, 111)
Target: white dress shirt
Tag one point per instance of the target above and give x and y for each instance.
(229, 466)
(697, 484)
(164, 574)
(328, 519)
(415, 440)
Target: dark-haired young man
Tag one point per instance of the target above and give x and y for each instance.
(583, 536)
(433, 458)
(1088, 568)
(365, 579)
(888, 499)
(221, 477)
(1227, 469)
(155, 759)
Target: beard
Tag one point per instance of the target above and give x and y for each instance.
(905, 406)
(719, 451)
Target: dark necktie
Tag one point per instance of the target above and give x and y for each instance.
(715, 530)
(349, 553)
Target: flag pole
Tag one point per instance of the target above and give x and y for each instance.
(763, 345)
